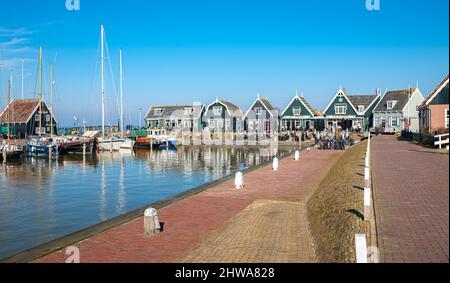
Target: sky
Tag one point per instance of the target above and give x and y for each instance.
(185, 51)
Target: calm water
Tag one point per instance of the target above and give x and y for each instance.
(42, 200)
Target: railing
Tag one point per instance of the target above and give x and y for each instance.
(441, 140)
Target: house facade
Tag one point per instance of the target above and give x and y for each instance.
(175, 117)
(398, 111)
(262, 117)
(298, 114)
(350, 112)
(223, 116)
(434, 111)
(25, 117)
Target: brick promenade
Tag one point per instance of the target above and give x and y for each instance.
(411, 194)
(194, 220)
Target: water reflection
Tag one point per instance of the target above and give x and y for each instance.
(41, 200)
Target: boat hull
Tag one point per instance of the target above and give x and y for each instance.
(41, 150)
(109, 145)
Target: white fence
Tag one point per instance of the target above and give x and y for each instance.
(441, 141)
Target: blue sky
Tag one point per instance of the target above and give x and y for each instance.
(197, 50)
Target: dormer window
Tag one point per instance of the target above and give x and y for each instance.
(188, 111)
(217, 110)
(361, 108)
(158, 111)
(391, 104)
(340, 109)
(297, 111)
(258, 110)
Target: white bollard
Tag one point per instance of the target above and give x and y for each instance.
(239, 180)
(276, 164)
(308, 150)
(297, 155)
(151, 222)
(361, 248)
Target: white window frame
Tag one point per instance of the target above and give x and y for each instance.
(188, 111)
(340, 107)
(258, 111)
(219, 123)
(158, 111)
(297, 111)
(47, 117)
(361, 108)
(392, 102)
(446, 113)
(217, 110)
(36, 117)
(211, 123)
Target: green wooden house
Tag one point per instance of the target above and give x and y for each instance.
(298, 114)
(351, 112)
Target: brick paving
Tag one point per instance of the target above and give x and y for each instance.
(267, 231)
(191, 221)
(411, 194)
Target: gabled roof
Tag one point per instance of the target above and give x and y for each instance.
(265, 102)
(342, 92)
(173, 111)
(442, 87)
(232, 109)
(305, 103)
(21, 110)
(401, 96)
(363, 100)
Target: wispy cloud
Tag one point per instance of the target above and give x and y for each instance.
(14, 42)
(8, 32)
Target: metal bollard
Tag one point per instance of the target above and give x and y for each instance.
(297, 155)
(239, 180)
(276, 164)
(151, 222)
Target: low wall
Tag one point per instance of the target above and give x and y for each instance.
(335, 209)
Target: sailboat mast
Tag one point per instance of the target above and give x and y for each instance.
(40, 91)
(102, 31)
(9, 112)
(22, 78)
(51, 100)
(121, 94)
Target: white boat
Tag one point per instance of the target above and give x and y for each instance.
(127, 144)
(110, 144)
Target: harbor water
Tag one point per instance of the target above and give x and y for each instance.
(41, 200)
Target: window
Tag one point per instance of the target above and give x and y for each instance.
(361, 108)
(219, 124)
(217, 110)
(340, 109)
(211, 123)
(36, 117)
(158, 111)
(258, 110)
(47, 118)
(391, 104)
(188, 111)
(297, 111)
(394, 121)
(446, 119)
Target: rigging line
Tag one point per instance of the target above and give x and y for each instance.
(112, 74)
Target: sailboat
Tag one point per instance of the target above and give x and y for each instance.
(38, 146)
(112, 143)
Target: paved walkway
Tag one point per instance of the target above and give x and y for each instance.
(411, 194)
(189, 222)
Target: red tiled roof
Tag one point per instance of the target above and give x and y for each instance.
(21, 110)
(433, 92)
